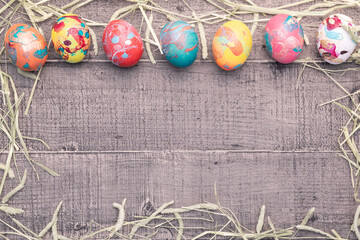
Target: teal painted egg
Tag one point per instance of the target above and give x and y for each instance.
(180, 43)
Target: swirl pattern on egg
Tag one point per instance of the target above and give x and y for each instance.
(122, 43)
(284, 38)
(232, 45)
(333, 42)
(180, 43)
(26, 47)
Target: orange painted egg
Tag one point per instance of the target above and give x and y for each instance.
(232, 45)
(26, 47)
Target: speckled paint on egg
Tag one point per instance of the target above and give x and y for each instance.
(180, 43)
(71, 38)
(232, 45)
(284, 38)
(26, 47)
(334, 43)
(122, 43)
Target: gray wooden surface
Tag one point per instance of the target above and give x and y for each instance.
(156, 133)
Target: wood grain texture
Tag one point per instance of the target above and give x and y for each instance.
(288, 183)
(102, 107)
(125, 133)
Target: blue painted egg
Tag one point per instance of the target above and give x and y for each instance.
(180, 43)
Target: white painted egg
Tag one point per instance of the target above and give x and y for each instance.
(334, 43)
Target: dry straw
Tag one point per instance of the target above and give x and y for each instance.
(346, 140)
(215, 220)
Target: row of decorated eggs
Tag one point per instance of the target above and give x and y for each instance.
(232, 42)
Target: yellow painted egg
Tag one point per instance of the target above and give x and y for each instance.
(232, 45)
(71, 38)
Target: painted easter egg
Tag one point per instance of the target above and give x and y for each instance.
(122, 43)
(26, 47)
(71, 38)
(284, 38)
(180, 43)
(232, 45)
(334, 43)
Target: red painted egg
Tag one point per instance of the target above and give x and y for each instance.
(122, 43)
(26, 47)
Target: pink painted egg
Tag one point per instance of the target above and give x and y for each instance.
(122, 43)
(284, 38)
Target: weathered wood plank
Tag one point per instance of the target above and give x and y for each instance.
(181, 122)
(289, 184)
(261, 110)
(100, 107)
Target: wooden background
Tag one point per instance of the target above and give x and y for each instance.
(155, 133)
